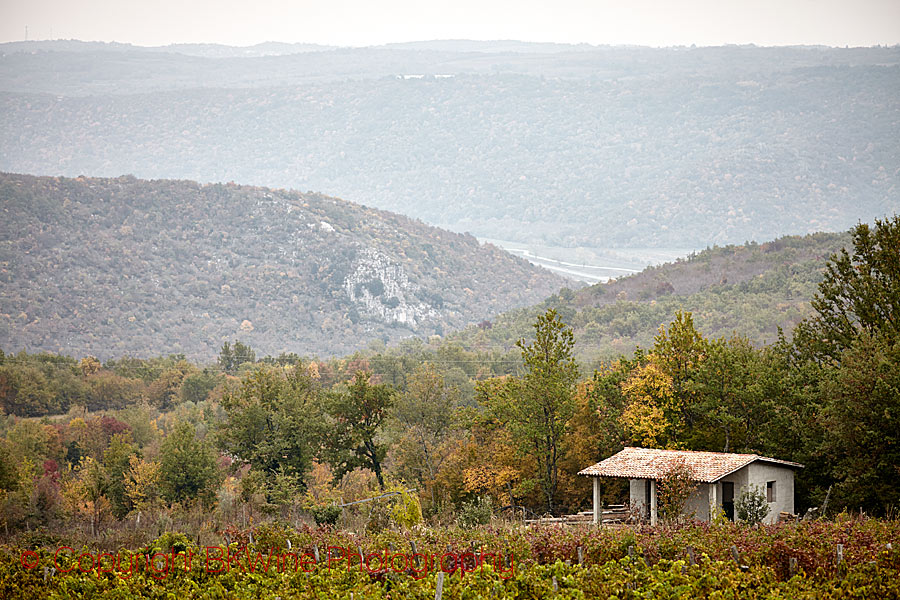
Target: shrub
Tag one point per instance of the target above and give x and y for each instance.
(752, 507)
(406, 510)
(474, 513)
(326, 515)
(675, 487)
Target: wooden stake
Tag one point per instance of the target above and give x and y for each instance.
(580, 555)
(792, 566)
(737, 558)
(440, 586)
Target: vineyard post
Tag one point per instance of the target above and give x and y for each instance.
(439, 589)
(412, 546)
(691, 559)
(555, 585)
(580, 555)
(839, 557)
(737, 558)
(316, 553)
(792, 566)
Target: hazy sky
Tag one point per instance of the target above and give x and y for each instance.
(369, 22)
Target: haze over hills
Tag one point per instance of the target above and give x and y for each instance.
(553, 146)
(111, 267)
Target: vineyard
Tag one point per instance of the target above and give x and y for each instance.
(851, 557)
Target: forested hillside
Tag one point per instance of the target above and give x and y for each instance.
(749, 290)
(111, 267)
(560, 146)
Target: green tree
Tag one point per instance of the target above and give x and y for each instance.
(545, 398)
(860, 292)
(355, 416)
(9, 475)
(197, 385)
(679, 351)
(861, 420)
(117, 462)
(847, 360)
(232, 357)
(272, 421)
(188, 469)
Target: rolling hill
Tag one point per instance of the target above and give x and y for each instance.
(111, 267)
(749, 290)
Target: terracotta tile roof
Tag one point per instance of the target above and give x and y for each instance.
(650, 463)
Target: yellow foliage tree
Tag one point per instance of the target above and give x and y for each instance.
(650, 415)
(89, 365)
(142, 483)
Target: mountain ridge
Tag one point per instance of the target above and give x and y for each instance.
(123, 266)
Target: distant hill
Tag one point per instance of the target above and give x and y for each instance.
(123, 266)
(750, 290)
(204, 50)
(601, 147)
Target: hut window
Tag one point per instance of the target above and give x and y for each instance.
(770, 491)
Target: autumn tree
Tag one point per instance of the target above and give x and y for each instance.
(142, 482)
(675, 488)
(422, 418)
(86, 492)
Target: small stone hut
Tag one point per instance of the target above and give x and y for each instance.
(721, 478)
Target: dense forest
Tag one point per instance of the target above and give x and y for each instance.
(569, 147)
(114, 267)
(470, 432)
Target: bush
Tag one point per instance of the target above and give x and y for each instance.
(675, 488)
(752, 507)
(406, 510)
(170, 540)
(326, 515)
(475, 513)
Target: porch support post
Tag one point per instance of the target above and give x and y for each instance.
(597, 505)
(713, 500)
(653, 505)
